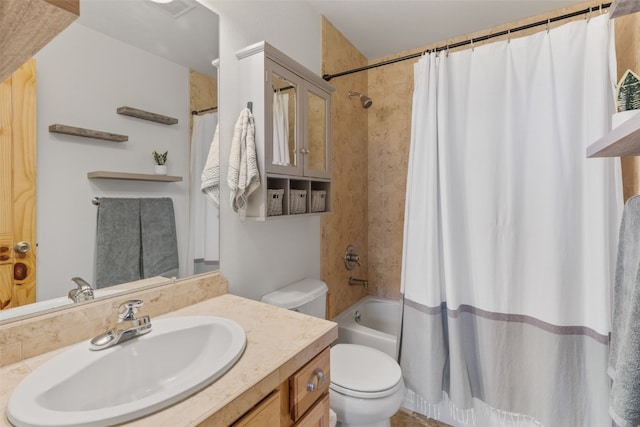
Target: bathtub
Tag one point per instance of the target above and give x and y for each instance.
(372, 321)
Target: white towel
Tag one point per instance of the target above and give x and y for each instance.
(243, 176)
(211, 173)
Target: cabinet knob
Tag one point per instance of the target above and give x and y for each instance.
(317, 379)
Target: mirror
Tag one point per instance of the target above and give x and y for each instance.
(316, 132)
(136, 53)
(284, 121)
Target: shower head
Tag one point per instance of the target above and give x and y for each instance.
(364, 99)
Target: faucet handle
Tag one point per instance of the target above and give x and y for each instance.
(128, 309)
(351, 258)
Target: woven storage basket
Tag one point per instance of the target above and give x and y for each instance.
(318, 200)
(274, 205)
(298, 201)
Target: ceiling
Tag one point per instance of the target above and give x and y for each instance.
(183, 31)
(380, 28)
(377, 28)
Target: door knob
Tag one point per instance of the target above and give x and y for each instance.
(22, 247)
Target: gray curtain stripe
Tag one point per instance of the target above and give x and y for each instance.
(507, 317)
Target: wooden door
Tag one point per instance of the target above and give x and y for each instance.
(18, 187)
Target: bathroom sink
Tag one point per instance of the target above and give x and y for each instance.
(179, 357)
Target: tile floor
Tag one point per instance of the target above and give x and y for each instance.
(405, 418)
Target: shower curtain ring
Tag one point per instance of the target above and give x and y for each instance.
(509, 35)
(548, 23)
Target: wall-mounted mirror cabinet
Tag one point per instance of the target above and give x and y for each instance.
(292, 114)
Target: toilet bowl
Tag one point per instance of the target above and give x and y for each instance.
(366, 386)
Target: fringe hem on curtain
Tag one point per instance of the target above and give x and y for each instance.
(467, 417)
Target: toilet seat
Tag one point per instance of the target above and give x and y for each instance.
(363, 372)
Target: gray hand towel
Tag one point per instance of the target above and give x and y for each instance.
(117, 241)
(624, 352)
(159, 243)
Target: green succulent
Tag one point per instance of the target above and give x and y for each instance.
(160, 159)
(628, 95)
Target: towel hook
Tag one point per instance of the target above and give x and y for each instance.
(96, 201)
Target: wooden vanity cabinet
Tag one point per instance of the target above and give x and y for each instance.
(293, 404)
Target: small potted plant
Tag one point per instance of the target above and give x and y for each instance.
(627, 98)
(161, 162)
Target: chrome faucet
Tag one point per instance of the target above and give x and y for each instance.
(84, 291)
(129, 326)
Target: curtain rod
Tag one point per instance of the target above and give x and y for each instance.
(195, 113)
(328, 77)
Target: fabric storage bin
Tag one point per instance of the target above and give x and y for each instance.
(298, 201)
(318, 200)
(274, 197)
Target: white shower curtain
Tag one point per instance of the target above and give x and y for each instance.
(203, 250)
(510, 232)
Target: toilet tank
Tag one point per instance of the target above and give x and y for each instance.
(307, 296)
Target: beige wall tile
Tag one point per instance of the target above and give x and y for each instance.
(348, 223)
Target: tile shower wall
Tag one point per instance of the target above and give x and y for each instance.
(389, 134)
(348, 223)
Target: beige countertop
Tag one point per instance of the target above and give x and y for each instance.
(279, 342)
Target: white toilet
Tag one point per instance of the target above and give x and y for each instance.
(366, 384)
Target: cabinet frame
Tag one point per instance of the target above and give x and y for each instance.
(256, 65)
(271, 68)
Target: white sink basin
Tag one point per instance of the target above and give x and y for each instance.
(177, 358)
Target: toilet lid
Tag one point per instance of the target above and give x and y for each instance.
(363, 369)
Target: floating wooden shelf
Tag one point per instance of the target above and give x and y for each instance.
(622, 141)
(132, 176)
(145, 115)
(87, 133)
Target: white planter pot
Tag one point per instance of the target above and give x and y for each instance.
(160, 169)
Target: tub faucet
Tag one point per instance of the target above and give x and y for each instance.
(354, 282)
(129, 326)
(84, 291)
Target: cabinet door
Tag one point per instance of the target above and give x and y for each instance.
(309, 384)
(283, 121)
(318, 416)
(317, 133)
(267, 413)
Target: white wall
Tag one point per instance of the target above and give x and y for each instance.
(80, 84)
(258, 257)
